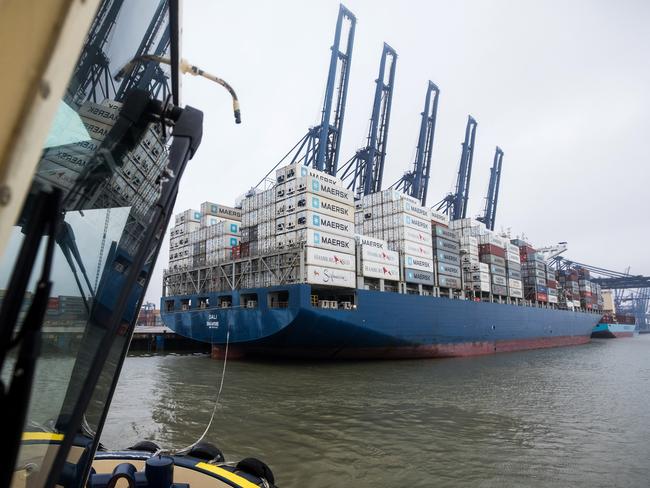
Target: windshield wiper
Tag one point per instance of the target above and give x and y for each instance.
(44, 220)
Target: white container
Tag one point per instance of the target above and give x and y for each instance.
(316, 186)
(516, 293)
(499, 280)
(298, 170)
(383, 256)
(516, 284)
(371, 269)
(371, 242)
(326, 206)
(223, 211)
(552, 299)
(416, 223)
(333, 242)
(325, 223)
(319, 275)
(414, 209)
(423, 251)
(330, 259)
(416, 262)
(438, 217)
(413, 235)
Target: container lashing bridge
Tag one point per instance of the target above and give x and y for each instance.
(363, 173)
(416, 182)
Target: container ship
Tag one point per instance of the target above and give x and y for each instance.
(320, 266)
(304, 269)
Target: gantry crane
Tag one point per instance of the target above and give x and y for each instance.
(416, 182)
(490, 212)
(455, 204)
(364, 172)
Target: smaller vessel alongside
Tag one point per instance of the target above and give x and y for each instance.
(613, 326)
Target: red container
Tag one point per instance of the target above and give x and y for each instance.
(53, 303)
(236, 252)
(551, 284)
(585, 294)
(541, 297)
(244, 249)
(491, 249)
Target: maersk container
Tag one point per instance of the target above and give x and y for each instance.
(383, 256)
(418, 276)
(445, 233)
(497, 270)
(385, 271)
(325, 240)
(314, 220)
(439, 218)
(440, 243)
(448, 270)
(222, 211)
(417, 223)
(298, 170)
(326, 206)
(493, 240)
(449, 282)
(447, 257)
(336, 192)
(319, 275)
(414, 209)
(416, 262)
(500, 290)
(330, 259)
(371, 241)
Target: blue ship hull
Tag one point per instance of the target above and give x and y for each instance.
(382, 325)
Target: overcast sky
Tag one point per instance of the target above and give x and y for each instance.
(562, 87)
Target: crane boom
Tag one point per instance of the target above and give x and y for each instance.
(320, 146)
(416, 182)
(455, 204)
(364, 171)
(490, 212)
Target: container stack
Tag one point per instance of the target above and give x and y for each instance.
(315, 210)
(513, 270)
(258, 223)
(405, 226)
(533, 273)
(568, 289)
(377, 262)
(492, 251)
(476, 275)
(551, 285)
(180, 249)
(590, 292)
(447, 256)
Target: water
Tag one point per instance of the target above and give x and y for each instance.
(574, 416)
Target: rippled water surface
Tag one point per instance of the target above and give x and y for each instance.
(575, 416)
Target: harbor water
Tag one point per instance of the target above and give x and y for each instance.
(576, 416)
